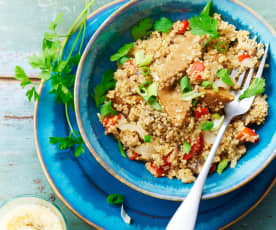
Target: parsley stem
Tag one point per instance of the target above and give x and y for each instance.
(68, 121)
(84, 27)
(74, 25)
(75, 42)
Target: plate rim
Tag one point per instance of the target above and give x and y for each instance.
(58, 193)
(97, 156)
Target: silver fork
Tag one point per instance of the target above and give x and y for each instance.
(186, 214)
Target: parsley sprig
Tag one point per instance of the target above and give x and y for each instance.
(141, 29)
(58, 69)
(256, 87)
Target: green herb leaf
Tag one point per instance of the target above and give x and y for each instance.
(216, 116)
(221, 166)
(204, 25)
(215, 88)
(147, 138)
(149, 91)
(56, 22)
(20, 75)
(123, 51)
(163, 25)
(185, 84)
(141, 29)
(186, 147)
(31, 93)
(222, 46)
(107, 110)
(207, 9)
(191, 95)
(108, 82)
(121, 149)
(206, 84)
(256, 87)
(206, 125)
(141, 59)
(69, 142)
(123, 59)
(145, 70)
(115, 199)
(194, 102)
(224, 75)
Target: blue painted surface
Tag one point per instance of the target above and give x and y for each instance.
(117, 32)
(84, 184)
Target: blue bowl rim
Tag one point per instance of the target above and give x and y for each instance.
(97, 156)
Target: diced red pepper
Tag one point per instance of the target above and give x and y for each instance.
(199, 112)
(159, 170)
(184, 27)
(213, 168)
(129, 62)
(134, 156)
(197, 66)
(166, 160)
(248, 135)
(110, 121)
(243, 56)
(196, 148)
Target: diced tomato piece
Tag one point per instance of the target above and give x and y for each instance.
(196, 148)
(134, 156)
(166, 160)
(184, 27)
(110, 121)
(243, 56)
(248, 135)
(159, 170)
(129, 62)
(197, 66)
(199, 112)
(213, 168)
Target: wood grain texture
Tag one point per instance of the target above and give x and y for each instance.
(22, 24)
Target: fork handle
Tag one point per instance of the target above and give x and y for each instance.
(186, 214)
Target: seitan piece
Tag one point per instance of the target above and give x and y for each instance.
(175, 107)
(216, 100)
(184, 50)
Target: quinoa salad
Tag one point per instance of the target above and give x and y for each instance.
(165, 102)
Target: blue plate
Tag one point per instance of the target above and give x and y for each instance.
(114, 32)
(83, 185)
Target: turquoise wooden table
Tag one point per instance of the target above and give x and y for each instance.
(22, 24)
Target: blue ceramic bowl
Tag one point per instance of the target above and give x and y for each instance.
(113, 33)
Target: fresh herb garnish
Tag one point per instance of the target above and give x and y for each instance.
(141, 59)
(107, 83)
(204, 25)
(123, 51)
(145, 70)
(121, 149)
(141, 29)
(148, 91)
(69, 142)
(194, 102)
(163, 25)
(123, 59)
(207, 125)
(191, 95)
(185, 84)
(107, 110)
(222, 165)
(206, 84)
(215, 88)
(147, 138)
(256, 87)
(59, 70)
(115, 199)
(222, 46)
(207, 9)
(224, 75)
(186, 147)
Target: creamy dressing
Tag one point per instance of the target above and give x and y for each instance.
(30, 213)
